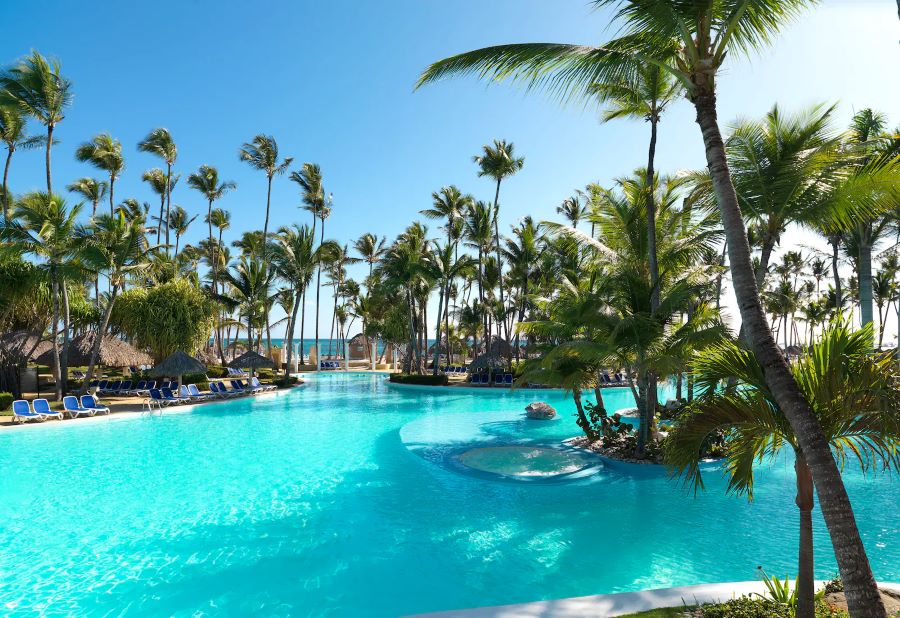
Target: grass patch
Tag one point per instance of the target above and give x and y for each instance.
(663, 612)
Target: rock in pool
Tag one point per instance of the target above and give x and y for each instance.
(540, 411)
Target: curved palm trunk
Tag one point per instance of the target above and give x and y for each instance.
(582, 418)
(9, 155)
(162, 211)
(805, 571)
(861, 590)
(437, 338)
(290, 335)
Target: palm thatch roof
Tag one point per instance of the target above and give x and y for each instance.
(251, 360)
(500, 347)
(177, 364)
(113, 352)
(19, 347)
(487, 361)
(358, 339)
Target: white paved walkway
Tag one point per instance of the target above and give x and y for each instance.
(607, 605)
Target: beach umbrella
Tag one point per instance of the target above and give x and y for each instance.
(177, 364)
(113, 352)
(487, 361)
(252, 360)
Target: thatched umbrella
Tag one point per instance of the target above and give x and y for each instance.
(177, 364)
(16, 350)
(113, 352)
(251, 360)
(487, 361)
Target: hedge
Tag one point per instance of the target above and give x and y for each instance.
(425, 380)
(6, 400)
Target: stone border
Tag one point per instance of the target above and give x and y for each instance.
(608, 605)
(477, 389)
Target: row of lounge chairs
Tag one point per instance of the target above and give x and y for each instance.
(190, 393)
(331, 364)
(617, 380)
(486, 379)
(123, 388)
(236, 373)
(39, 409)
(456, 370)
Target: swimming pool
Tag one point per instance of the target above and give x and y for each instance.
(347, 497)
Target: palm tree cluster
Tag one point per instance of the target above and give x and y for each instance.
(798, 172)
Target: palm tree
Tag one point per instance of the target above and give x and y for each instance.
(854, 397)
(371, 248)
(572, 210)
(523, 254)
(296, 257)
(262, 154)
(159, 142)
(498, 162)
(445, 268)
(161, 184)
(104, 153)
(44, 226)
(91, 189)
(451, 204)
(206, 181)
(180, 222)
(35, 85)
(116, 245)
(884, 292)
(690, 40)
(478, 232)
(13, 133)
(309, 177)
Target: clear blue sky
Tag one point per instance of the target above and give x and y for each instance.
(332, 81)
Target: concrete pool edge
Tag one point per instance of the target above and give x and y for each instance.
(618, 604)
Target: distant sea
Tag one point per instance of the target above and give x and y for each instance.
(329, 346)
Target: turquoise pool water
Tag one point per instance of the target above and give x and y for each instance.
(350, 498)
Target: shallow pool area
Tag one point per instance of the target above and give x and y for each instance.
(349, 497)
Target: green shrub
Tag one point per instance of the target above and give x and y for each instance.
(265, 374)
(194, 378)
(285, 382)
(217, 371)
(753, 607)
(426, 380)
(6, 400)
(202, 386)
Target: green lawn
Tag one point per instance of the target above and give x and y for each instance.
(665, 612)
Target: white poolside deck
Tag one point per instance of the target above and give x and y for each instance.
(607, 605)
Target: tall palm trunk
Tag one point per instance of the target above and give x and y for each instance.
(861, 590)
(835, 246)
(54, 332)
(112, 208)
(64, 354)
(646, 432)
(290, 335)
(500, 264)
(168, 200)
(805, 571)
(50, 127)
(162, 211)
(864, 276)
(318, 295)
(98, 340)
(302, 324)
(437, 334)
(582, 417)
(9, 155)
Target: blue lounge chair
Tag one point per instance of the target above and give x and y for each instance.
(239, 387)
(103, 384)
(73, 408)
(196, 394)
(42, 407)
(171, 397)
(111, 387)
(255, 383)
(22, 412)
(89, 402)
(507, 379)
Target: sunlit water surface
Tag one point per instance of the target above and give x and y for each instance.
(348, 497)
